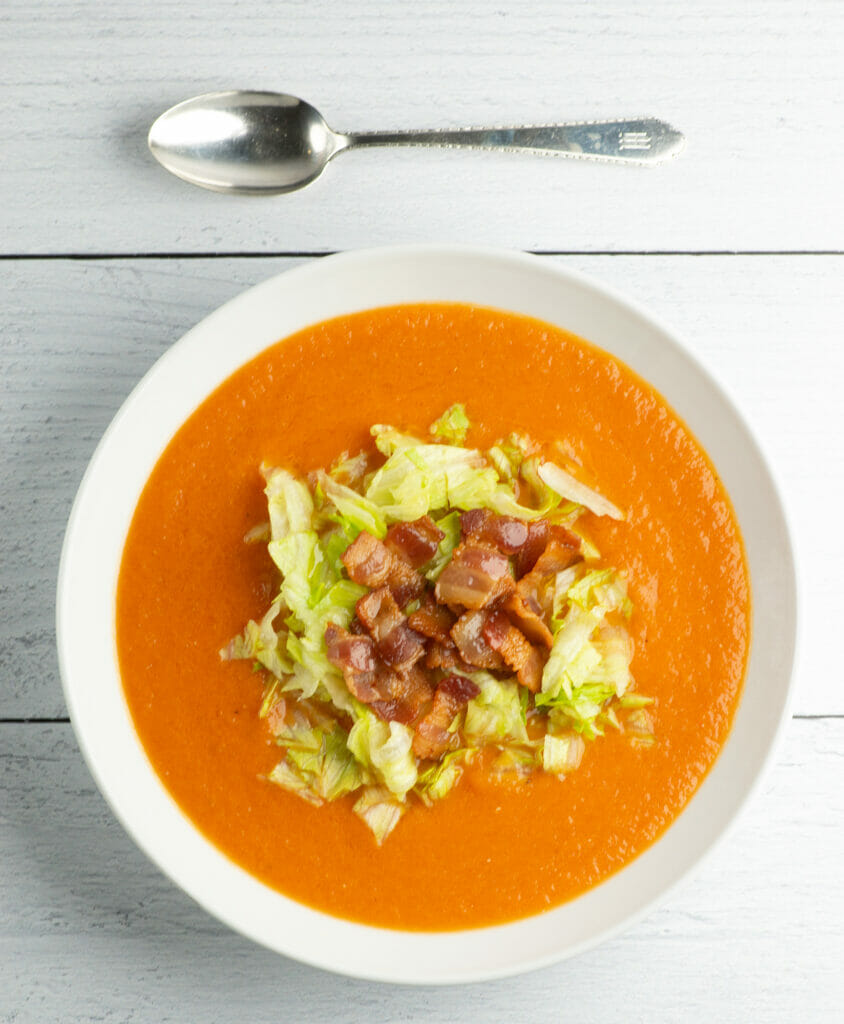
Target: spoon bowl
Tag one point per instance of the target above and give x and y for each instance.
(265, 143)
(255, 143)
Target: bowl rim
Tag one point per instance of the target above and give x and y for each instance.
(441, 968)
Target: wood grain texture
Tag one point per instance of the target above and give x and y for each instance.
(76, 336)
(90, 930)
(757, 87)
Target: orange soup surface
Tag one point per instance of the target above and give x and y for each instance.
(489, 852)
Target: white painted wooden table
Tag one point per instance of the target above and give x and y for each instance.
(105, 261)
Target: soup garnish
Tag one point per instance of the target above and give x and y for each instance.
(437, 604)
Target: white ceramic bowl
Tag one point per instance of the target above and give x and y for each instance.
(177, 384)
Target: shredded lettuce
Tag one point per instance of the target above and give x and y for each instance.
(450, 526)
(573, 490)
(353, 509)
(386, 749)
(452, 426)
(260, 642)
(495, 715)
(332, 744)
(562, 754)
(290, 503)
(379, 810)
(438, 781)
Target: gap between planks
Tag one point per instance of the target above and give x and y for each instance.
(315, 254)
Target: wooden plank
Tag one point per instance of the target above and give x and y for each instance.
(91, 930)
(756, 86)
(76, 336)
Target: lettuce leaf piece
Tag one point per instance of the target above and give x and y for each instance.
(389, 440)
(334, 543)
(568, 487)
(615, 650)
(260, 642)
(563, 581)
(350, 470)
(495, 715)
(379, 810)
(635, 700)
(450, 526)
(298, 557)
(416, 479)
(507, 456)
(354, 509)
(639, 725)
(338, 605)
(330, 771)
(562, 754)
(563, 670)
(453, 426)
(290, 504)
(385, 748)
(545, 498)
(297, 733)
(437, 781)
(600, 588)
(286, 776)
(514, 764)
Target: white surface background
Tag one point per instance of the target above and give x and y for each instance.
(738, 244)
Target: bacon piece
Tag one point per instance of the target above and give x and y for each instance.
(442, 655)
(415, 543)
(405, 582)
(533, 602)
(392, 695)
(475, 577)
(432, 620)
(397, 643)
(407, 694)
(367, 560)
(356, 658)
(533, 547)
(526, 660)
(432, 738)
(540, 532)
(370, 562)
(528, 619)
(468, 635)
(506, 533)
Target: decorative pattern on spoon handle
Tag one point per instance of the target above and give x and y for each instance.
(641, 141)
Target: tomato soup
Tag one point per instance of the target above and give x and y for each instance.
(490, 852)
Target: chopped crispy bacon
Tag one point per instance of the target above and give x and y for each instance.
(528, 619)
(393, 695)
(414, 543)
(397, 643)
(532, 604)
(468, 635)
(432, 738)
(533, 547)
(526, 660)
(432, 620)
(367, 560)
(356, 658)
(370, 562)
(540, 532)
(405, 582)
(443, 656)
(506, 533)
(407, 694)
(475, 577)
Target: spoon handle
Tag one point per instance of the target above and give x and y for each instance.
(640, 141)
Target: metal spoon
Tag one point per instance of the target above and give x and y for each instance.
(261, 143)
